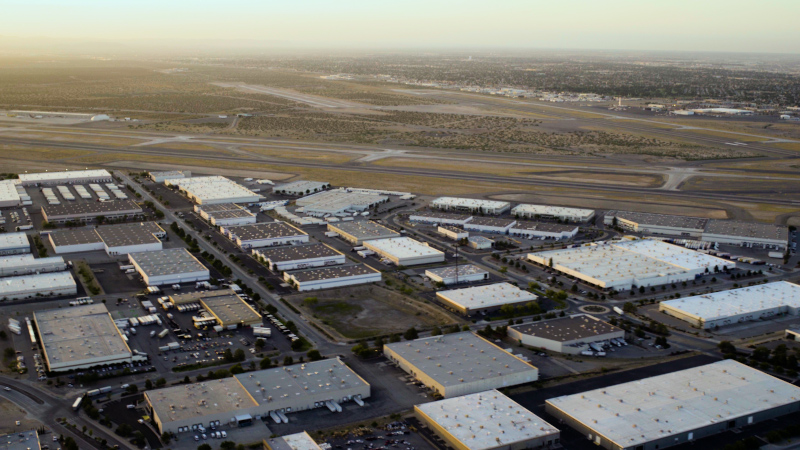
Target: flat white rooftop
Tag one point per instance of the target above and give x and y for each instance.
(167, 262)
(641, 411)
(13, 240)
(458, 358)
(746, 300)
(213, 188)
(555, 211)
(27, 261)
(65, 175)
(297, 441)
(487, 296)
(42, 283)
(9, 192)
(468, 203)
(402, 247)
(486, 420)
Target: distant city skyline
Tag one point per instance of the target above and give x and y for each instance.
(677, 25)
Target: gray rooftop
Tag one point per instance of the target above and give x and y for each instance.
(92, 208)
(544, 226)
(661, 220)
(269, 230)
(24, 440)
(218, 207)
(13, 240)
(298, 252)
(130, 234)
(440, 215)
(567, 328)
(491, 222)
(451, 358)
(230, 309)
(76, 236)
(167, 262)
(748, 229)
(297, 441)
(329, 273)
(450, 271)
(363, 230)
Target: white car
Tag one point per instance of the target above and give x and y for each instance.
(224, 434)
(6, 388)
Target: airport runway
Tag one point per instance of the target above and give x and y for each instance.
(461, 176)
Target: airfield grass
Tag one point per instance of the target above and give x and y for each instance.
(788, 145)
(83, 138)
(8, 152)
(288, 153)
(733, 137)
(189, 146)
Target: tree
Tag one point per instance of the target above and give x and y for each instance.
(360, 350)
(160, 382)
(297, 345)
(314, 355)
(239, 355)
(204, 447)
(228, 355)
(629, 307)
(265, 363)
(132, 389)
(761, 354)
(124, 430)
(436, 331)
(148, 384)
(260, 344)
(69, 444)
(411, 334)
(727, 348)
(288, 361)
(237, 369)
(227, 445)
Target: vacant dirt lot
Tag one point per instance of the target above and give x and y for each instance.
(10, 413)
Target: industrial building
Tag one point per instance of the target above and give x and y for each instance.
(484, 299)
(160, 177)
(119, 239)
(571, 335)
(26, 264)
(168, 266)
(632, 263)
(245, 397)
(466, 273)
(487, 420)
(543, 230)
(66, 177)
(357, 233)
(25, 440)
(676, 408)
(89, 211)
(332, 277)
(299, 257)
(470, 205)
(664, 224)
(80, 337)
(213, 189)
(552, 212)
(301, 187)
(14, 243)
(267, 234)
(489, 225)
(230, 310)
(439, 218)
(746, 304)
(225, 214)
(297, 441)
(453, 233)
(11, 194)
(403, 251)
(459, 364)
(746, 233)
(54, 284)
(480, 242)
(339, 202)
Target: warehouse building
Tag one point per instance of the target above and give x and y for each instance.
(113, 239)
(160, 177)
(332, 277)
(301, 187)
(66, 177)
(480, 242)
(543, 230)
(664, 224)
(26, 440)
(89, 211)
(676, 408)
(225, 214)
(242, 398)
(486, 420)
(213, 189)
(299, 257)
(552, 212)
(80, 337)
(489, 225)
(9, 194)
(453, 233)
(403, 251)
(571, 335)
(459, 364)
(54, 284)
(439, 218)
(339, 202)
(26, 264)
(470, 205)
(168, 266)
(627, 264)
(230, 310)
(747, 304)
(357, 233)
(467, 273)
(484, 299)
(297, 441)
(267, 234)
(14, 243)
(746, 233)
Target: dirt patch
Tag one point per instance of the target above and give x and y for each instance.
(10, 413)
(364, 312)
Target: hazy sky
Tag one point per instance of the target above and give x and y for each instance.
(714, 25)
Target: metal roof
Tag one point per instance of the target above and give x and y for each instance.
(167, 262)
(564, 329)
(487, 296)
(81, 209)
(330, 273)
(363, 229)
(661, 220)
(264, 230)
(297, 252)
(401, 247)
(745, 300)
(756, 230)
(9, 241)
